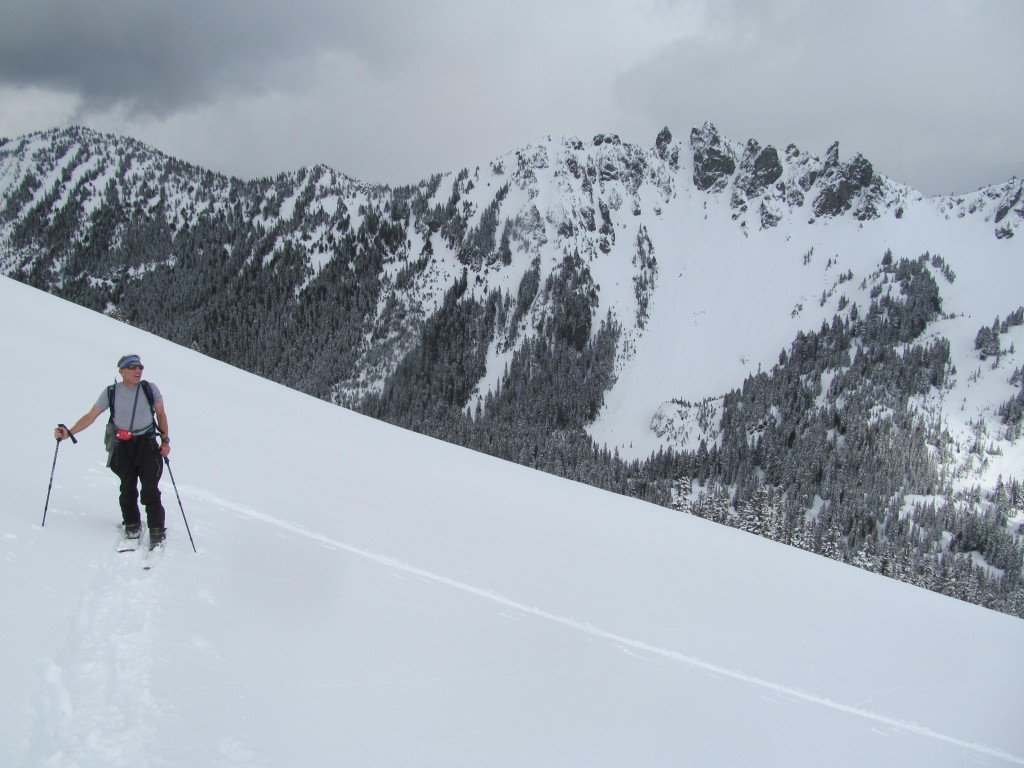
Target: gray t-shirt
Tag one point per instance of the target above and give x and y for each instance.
(125, 401)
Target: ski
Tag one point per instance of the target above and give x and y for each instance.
(152, 557)
(141, 544)
(153, 552)
(129, 542)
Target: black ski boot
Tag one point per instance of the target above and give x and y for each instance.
(157, 536)
(133, 530)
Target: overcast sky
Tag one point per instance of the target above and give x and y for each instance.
(394, 90)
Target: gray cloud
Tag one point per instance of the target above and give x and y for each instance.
(921, 88)
(394, 90)
(158, 57)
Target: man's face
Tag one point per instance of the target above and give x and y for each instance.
(132, 374)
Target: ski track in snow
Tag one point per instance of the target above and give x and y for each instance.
(96, 705)
(595, 631)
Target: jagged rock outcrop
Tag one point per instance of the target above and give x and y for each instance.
(665, 150)
(714, 162)
(759, 169)
(1010, 212)
(841, 182)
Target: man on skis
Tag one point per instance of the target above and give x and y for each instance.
(135, 456)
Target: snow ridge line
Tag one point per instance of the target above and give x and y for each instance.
(640, 645)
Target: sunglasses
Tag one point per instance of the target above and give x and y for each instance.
(134, 367)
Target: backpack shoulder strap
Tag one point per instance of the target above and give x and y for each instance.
(110, 401)
(147, 390)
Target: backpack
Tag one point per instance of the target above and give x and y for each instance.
(109, 441)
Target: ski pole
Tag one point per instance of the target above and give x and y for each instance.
(168, 462)
(54, 467)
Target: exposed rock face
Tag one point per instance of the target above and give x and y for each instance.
(713, 160)
(664, 149)
(770, 217)
(834, 187)
(663, 142)
(841, 183)
(1010, 213)
(759, 169)
(1009, 201)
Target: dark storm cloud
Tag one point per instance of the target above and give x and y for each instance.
(159, 57)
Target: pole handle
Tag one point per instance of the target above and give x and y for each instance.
(65, 428)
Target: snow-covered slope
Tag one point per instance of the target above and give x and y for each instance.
(727, 304)
(456, 611)
(742, 262)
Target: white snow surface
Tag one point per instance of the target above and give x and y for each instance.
(727, 305)
(365, 596)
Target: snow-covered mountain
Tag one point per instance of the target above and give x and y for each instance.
(574, 305)
(711, 255)
(460, 611)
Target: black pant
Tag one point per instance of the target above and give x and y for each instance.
(138, 460)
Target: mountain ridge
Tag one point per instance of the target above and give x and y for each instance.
(572, 304)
